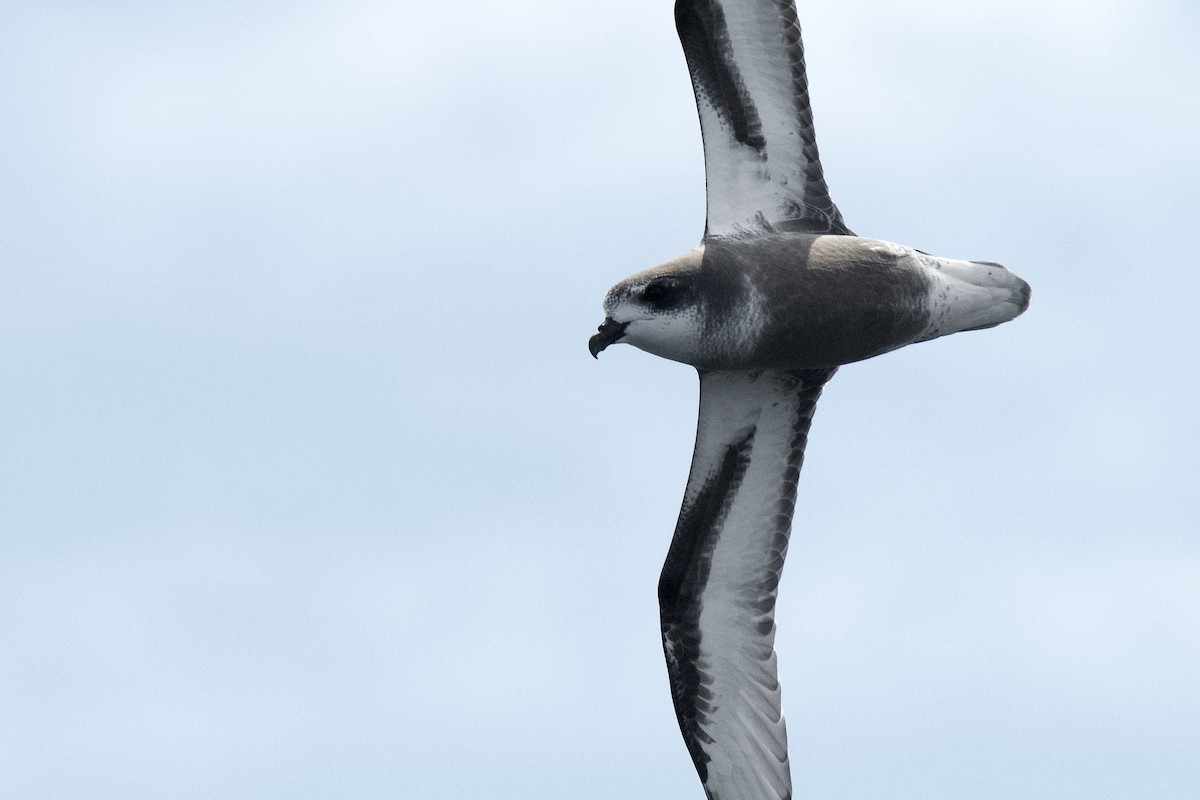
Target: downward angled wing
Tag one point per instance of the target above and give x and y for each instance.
(717, 590)
(760, 153)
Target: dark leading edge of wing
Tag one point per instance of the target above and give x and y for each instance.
(718, 585)
(747, 67)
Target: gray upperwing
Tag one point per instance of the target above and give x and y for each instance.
(718, 585)
(760, 151)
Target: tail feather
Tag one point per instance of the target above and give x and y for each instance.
(971, 295)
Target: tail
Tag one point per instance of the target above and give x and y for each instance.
(971, 295)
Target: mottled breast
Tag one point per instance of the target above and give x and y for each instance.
(799, 301)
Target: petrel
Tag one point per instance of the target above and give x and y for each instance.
(778, 295)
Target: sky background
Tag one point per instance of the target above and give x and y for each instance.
(310, 489)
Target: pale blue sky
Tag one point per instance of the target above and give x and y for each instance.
(310, 489)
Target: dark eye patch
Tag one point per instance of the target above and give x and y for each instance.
(662, 293)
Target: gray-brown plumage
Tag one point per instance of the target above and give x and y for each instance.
(775, 298)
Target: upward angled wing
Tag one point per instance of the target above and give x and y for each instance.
(760, 152)
(717, 590)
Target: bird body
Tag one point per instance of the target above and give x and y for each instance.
(804, 301)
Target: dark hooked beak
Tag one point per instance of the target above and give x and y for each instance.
(610, 331)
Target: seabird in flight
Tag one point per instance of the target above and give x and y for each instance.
(778, 295)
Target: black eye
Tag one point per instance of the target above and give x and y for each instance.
(661, 294)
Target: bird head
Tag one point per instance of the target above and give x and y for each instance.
(659, 310)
